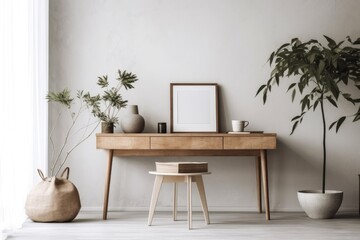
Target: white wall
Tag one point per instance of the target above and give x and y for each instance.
(222, 41)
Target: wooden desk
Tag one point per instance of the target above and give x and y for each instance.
(190, 144)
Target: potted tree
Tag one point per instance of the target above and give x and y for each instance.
(323, 72)
(55, 198)
(106, 106)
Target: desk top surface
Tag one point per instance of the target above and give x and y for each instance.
(185, 135)
(152, 142)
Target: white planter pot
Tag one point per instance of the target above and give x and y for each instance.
(318, 205)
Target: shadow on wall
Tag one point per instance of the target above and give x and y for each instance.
(223, 109)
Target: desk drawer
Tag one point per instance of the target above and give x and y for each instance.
(123, 142)
(196, 143)
(249, 142)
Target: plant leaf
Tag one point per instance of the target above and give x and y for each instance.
(357, 41)
(271, 57)
(62, 97)
(315, 104)
(294, 127)
(332, 124)
(264, 96)
(340, 121)
(357, 117)
(277, 79)
(331, 101)
(295, 118)
(348, 97)
(293, 95)
(349, 39)
(331, 43)
(260, 88)
(321, 67)
(291, 86)
(305, 102)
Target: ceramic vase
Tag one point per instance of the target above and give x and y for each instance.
(132, 122)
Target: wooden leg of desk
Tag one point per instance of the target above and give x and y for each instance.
(265, 182)
(258, 182)
(107, 183)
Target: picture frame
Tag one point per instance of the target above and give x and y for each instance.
(194, 108)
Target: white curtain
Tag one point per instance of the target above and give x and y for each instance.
(23, 108)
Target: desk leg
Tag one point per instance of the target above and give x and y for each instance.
(265, 182)
(107, 183)
(258, 182)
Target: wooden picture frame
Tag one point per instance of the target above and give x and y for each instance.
(194, 108)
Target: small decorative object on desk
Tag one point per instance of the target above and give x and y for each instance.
(132, 122)
(243, 125)
(181, 167)
(239, 126)
(235, 125)
(107, 127)
(162, 127)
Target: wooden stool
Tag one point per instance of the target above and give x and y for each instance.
(176, 178)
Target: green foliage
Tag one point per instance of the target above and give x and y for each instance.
(63, 97)
(104, 107)
(75, 107)
(127, 79)
(322, 73)
(107, 105)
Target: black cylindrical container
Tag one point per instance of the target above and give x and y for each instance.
(161, 127)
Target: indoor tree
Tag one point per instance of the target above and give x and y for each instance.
(71, 108)
(104, 107)
(325, 75)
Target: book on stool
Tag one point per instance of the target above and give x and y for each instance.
(181, 167)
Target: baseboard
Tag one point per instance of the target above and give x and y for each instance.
(198, 208)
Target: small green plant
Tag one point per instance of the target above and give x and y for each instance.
(74, 108)
(106, 106)
(324, 73)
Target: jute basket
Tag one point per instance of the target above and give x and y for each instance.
(53, 199)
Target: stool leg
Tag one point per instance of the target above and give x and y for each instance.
(189, 180)
(154, 197)
(201, 189)
(175, 202)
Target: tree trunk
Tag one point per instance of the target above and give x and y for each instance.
(324, 144)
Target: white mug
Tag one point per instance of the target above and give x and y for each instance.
(235, 125)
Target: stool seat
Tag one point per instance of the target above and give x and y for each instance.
(176, 178)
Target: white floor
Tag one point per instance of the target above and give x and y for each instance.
(133, 225)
